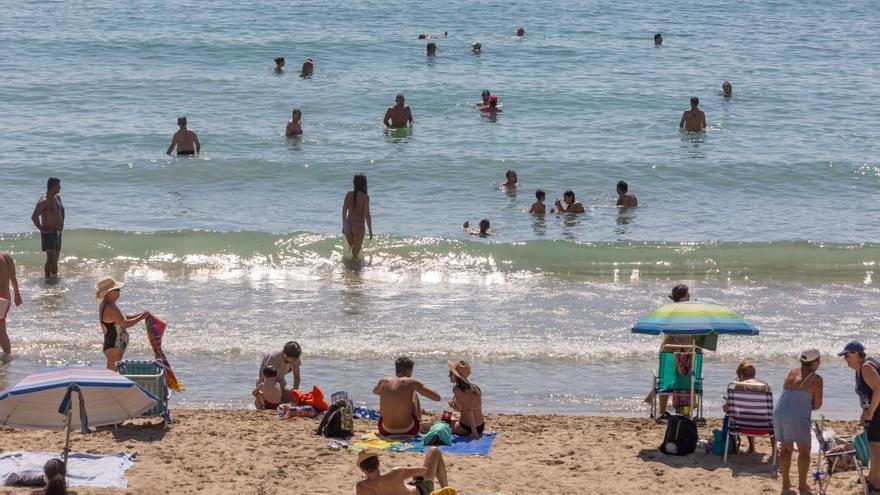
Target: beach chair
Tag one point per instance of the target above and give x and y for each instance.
(749, 413)
(672, 377)
(151, 376)
(830, 456)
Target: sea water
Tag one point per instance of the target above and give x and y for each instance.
(772, 212)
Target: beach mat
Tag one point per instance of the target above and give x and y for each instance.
(460, 445)
(99, 471)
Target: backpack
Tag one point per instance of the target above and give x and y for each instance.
(681, 436)
(337, 422)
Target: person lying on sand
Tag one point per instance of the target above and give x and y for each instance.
(268, 392)
(393, 482)
(468, 401)
(398, 401)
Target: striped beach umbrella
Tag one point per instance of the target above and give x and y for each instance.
(693, 318)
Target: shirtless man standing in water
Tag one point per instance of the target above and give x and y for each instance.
(693, 119)
(48, 217)
(185, 139)
(7, 278)
(398, 115)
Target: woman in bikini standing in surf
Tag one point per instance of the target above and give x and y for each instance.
(355, 212)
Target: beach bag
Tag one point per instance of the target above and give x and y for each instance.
(337, 421)
(681, 436)
(439, 434)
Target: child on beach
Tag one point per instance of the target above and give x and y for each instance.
(268, 392)
(294, 125)
(467, 401)
(538, 206)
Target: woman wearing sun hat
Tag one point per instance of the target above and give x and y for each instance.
(468, 401)
(113, 323)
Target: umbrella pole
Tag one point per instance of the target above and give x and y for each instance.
(67, 444)
(693, 377)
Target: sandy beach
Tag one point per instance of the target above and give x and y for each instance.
(252, 452)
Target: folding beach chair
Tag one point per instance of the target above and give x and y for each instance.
(750, 413)
(151, 376)
(674, 377)
(830, 456)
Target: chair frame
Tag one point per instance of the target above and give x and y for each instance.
(158, 378)
(824, 472)
(733, 429)
(698, 383)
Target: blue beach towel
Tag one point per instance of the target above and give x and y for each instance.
(465, 446)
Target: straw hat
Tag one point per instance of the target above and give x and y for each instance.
(105, 285)
(366, 454)
(460, 369)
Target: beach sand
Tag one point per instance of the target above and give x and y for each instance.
(253, 452)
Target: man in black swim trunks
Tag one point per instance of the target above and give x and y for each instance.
(48, 217)
(868, 387)
(185, 139)
(394, 481)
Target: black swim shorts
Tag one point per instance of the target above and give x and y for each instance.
(51, 241)
(873, 427)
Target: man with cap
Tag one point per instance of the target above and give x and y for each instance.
(394, 481)
(868, 387)
(792, 421)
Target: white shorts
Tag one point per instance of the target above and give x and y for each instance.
(4, 308)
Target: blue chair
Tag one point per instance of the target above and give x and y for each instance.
(151, 376)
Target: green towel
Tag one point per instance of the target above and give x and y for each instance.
(439, 434)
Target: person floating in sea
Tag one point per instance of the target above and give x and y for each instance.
(476, 47)
(48, 217)
(520, 32)
(395, 480)
(424, 36)
(185, 140)
(658, 39)
(693, 119)
(294, 125)
(538, 206)
(483, 228)
(279, 64)
(308, 68)
(625, 199)
(493, 107)
(484, 99)
(571, 205)
(287, 360)
(356, 212)
(114, 324)
(399, 115)
(398, 401)
(867, 373)
(431, 49)
(7, 278)
(511, 181)
(726, 89)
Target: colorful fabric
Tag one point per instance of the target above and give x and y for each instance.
(365, 413)
(693, 318)
(460, 445)
(315, 398)
(290, 411)
(439, 434)
(155, 332)
(684, 363)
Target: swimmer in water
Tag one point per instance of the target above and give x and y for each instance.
(476, 47)
(294, 125)
(484, 103)
(693, 119)
(398, 115)
(538, 206)
(726, 89)
(571, 206)
(511, 181)
(520, 32)
(424, 36)
(431, 49)
(493, 107)
(483, 230)
(658, 39)
(279, 64)
(185, 140)
(356, 212)
(625, 199)
(307, 68)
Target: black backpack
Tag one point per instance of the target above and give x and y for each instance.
(337, 421)
(681, 436)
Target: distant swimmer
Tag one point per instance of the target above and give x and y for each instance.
(483, 229)
(279, 64)
(693, 119)
(571, 206)
(356, 212)
(658, 39)
(445, 33)
(424, 36)
(511, 181)
(726, 89)
(476, 47)
(7, 278)
(398, 115)
(484, 102)
(625, 199)
(538, 206)
(185, 140)
(307, 68)
(294, 126)
(520, 32)
(493, 105)
(48, 217)
(431, 48)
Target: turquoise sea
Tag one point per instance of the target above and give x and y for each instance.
(773, 211)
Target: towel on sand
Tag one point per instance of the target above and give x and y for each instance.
(460, 445)
(101, 471)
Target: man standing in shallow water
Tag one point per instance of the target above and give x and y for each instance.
(48, 217)
(7, 278)
(398, 115)
(185, 139)
(693, 119)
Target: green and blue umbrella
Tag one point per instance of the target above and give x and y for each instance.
(693, 318)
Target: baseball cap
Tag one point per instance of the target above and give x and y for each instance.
(853, 346)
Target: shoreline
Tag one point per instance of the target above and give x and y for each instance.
(248, 451)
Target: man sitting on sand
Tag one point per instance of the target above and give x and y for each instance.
(398, 400)
(284, 361)
(398, 115)
(7, 278)
(185, 140)
(693, 119)
(394, 481)
(625, 199)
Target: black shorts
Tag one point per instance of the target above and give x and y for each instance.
(186, 153)
(51, 241)
(872, 428)
(468, 428)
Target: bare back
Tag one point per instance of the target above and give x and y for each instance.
(356, 205)
(400, 116)
(396, 400)
(470, 402)
(186, 140)
(693, 119)
(391, 483)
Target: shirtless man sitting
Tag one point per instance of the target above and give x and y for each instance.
(399, 402)
(394, 481)
(398, 115)
(185, 139)
(7, 278)
(693, 119)
(48, 217)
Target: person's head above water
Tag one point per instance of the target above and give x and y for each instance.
(279, 63)
(400, 99)
(658, 39)
(486, 95)
(726, 89)
(484, 226)
(403, 367)
(520, 31)
(694, 101)
(540, 194)
(511, 177)
(308, 66)
(568, 196)
(680, 293)
(431, 48)
(53, 185)
(181, 121)
(476, 46)
(296, 114)
(622, 187)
